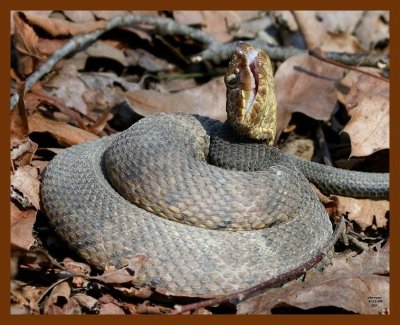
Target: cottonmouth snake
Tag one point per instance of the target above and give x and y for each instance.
(204, 230)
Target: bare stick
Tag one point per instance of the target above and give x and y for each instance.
(217, 52)
(277, 280)
(321, 57)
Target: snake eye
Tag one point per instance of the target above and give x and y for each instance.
(231, 80)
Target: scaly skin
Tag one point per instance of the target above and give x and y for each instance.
(205, 231)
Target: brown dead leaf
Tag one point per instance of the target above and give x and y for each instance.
(59, 27)
(175, 85)
(350, 283)
(111, 309)
(25, 181)
(148, 308)
(21, 226)
(147, 61)
(26, 42)
(79, 16)
(22, 148)
(27, 296)
(103, 91)
(323, 31)
(64, 133)
(76, 267)
(44, 13)
(208, 99)
(367, 102)
(298, 146)
(340, 21)
(285, 18)
(19, 119)
(40, 165)
(86, 302)
(366, 213)
(107, 14)
(68, 86)
(111, 306)
(36, 98)
(216, 23)
(105, 50)
(22, 153)
(125, 274)
(373, 29)
(32, 258)
(256, 28)
(202, 311)
(305, 84)
(142, 292)
(59, 301)
(46, 46)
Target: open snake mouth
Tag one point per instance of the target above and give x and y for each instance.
(251, 59)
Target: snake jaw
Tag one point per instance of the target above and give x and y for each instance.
(254, 80)
(251, 103)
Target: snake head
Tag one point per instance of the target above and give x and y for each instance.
(250, 96)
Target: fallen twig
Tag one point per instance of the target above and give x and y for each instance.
(322, 57)
(273, 282)
(217, 52)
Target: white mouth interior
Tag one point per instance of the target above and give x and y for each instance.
(251, 56)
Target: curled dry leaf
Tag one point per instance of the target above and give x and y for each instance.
(27, 296)
(22, 152)
(64, 133)
(142, 292)
(111, 309)
(104, 90)
(125, 274)
(108, 14)
(32, 258)
(298, 146)
(110, 306)
(219, 24)
(285, 18)
(305, 84)
(43, 13)
(321, 31)
(350, 283)
(21, 226)
(373, 29)
(48, 46)
(25, 181)
(59, 301)
(339, 21)
(208, 99)
(22, 148)
(147, 61)
(255, 27)
(86, 302)
(68, 86)
(366, 213)
(148, 308)
(26, 44)
(103, 50)
(79, 16)
(59, 27)
(367, 102)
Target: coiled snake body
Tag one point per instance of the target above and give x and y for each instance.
(204, 230)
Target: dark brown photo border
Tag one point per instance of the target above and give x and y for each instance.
(7, 6)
